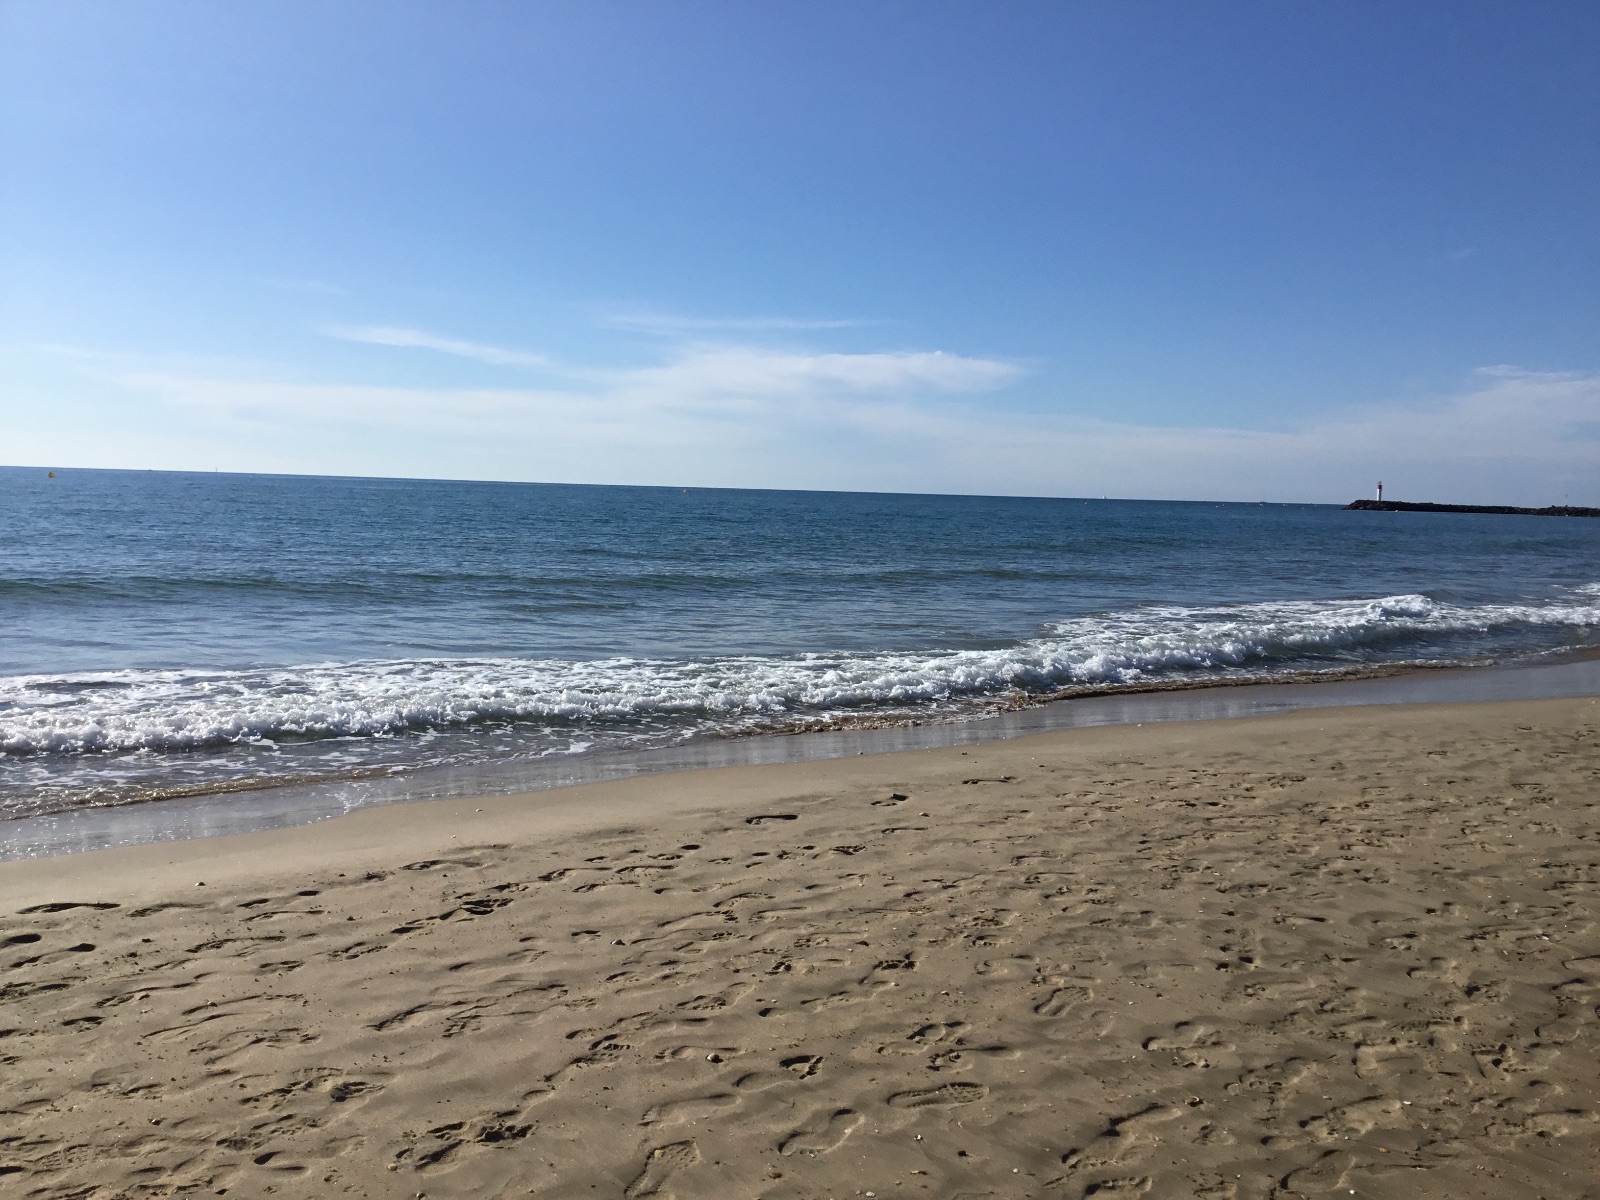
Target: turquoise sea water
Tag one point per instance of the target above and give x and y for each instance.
(166, 633)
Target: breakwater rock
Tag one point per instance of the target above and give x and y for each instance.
(1554, 510)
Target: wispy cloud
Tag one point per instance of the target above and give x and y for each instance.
(672, 324)
(706, 383)
(1512, 437)
(391, 335)
(928, 422)
(717, 373)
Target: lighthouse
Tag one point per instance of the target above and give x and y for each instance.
(1380, 491)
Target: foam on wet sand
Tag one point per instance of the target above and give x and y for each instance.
(1311, 954)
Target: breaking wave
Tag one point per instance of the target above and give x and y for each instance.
(166, 711)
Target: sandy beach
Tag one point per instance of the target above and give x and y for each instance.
(1346, 952)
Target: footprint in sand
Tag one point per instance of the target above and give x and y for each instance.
(1543, 1124)
(663, 1162)
(153, 909)
(1445, 970)
(1352, 1120)
(1187, 1043)
(959, 1059)
(803, 1065)
(1279, 1080)
(677, 1111)
(1124, 1185)
(1063, 1000)
(1328, 1173)
(1496, 1063)
(1561, 1031)
(880, 976)
(825, 1131)
(1123, 1136)
(760, 1081)
(428, 864)
(711, 1054)
(946, 1096)
(833, 999)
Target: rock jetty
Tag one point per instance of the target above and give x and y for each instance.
(1555, 510)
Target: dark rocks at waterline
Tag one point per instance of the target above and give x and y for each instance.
(1554, 510)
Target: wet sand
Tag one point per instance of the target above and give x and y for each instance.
(1331, 951)
(282, 805)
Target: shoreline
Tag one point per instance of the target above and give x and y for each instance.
(221, 812)
(1291, 955)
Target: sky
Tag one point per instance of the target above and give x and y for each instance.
(1228, 251)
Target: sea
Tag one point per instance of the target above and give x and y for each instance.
(171, 635)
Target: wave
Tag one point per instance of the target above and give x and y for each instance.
(183, 710)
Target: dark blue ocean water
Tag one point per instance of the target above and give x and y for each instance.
(178, 633)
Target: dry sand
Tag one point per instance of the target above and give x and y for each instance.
(1328, 953)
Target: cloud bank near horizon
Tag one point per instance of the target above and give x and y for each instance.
(739, 415)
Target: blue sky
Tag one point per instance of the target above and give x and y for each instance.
(1206, 250)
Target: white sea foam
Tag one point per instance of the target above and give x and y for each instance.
(170, 710)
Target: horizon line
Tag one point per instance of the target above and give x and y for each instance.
(663, 487)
